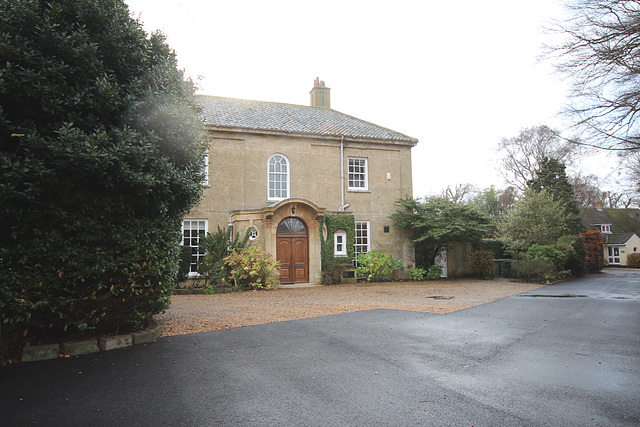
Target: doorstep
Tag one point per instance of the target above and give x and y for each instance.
(299, 285)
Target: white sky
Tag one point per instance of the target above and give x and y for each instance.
(458, 76)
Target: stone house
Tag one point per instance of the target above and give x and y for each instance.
(281, 170)
(620, 229)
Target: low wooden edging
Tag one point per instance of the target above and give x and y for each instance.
(76, 348)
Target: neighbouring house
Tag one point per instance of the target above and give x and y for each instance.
(620, 229)
(279, 169)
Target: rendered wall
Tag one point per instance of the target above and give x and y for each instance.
(238, 182)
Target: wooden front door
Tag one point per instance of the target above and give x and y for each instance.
(293, 251)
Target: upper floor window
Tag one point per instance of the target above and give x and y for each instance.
(358, 174)
(278, 177)
(605, 228)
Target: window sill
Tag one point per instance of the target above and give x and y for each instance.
(354, 190)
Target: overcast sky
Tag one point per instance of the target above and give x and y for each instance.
(459, 76)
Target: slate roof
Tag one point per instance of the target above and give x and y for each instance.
(621, 220)
(290, 118)
(616, 238)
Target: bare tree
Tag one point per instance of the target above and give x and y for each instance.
(459, 193)
(521, 155)
(506, 199)
(615, 200)
(599, 52)
(587, 190)
(631, 165)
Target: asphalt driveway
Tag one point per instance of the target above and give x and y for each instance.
(567, 354)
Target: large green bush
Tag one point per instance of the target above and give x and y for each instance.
(547, 252)
(417, 274)
(434, 272)
(253, 268)
(101, 154)
(376, 265)
(434, 223)
(536, 218)
(574, 250)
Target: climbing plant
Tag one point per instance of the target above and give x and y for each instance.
(333, 223)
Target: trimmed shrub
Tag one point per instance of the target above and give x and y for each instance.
(533, 269)
(376, 265)
(633, 260)
(594, 245)
(253, 268)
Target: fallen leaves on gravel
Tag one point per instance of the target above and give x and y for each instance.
(197, 313)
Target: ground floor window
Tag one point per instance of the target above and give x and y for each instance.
(362, 239)
(614, 255)
(192, 231)
(340, 243)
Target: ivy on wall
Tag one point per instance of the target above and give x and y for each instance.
(333, 223)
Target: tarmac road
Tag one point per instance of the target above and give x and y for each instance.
(564, 355)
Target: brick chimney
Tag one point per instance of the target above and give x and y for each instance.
(320, 94)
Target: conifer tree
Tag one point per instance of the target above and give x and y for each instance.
(552, 177)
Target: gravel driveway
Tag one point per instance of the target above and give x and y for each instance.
(197, 313)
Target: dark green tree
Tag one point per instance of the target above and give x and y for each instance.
(551, 177)
(101, 154)
(436, 222)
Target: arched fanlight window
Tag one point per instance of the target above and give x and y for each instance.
(291, 226)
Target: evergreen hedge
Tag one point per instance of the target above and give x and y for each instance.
(101, 155)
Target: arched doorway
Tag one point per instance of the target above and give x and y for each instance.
(292, 243)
